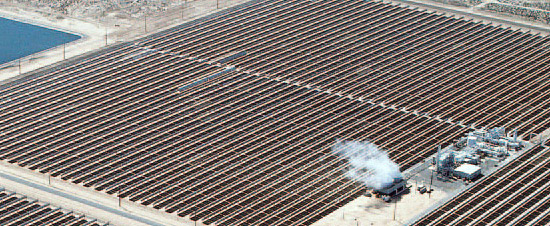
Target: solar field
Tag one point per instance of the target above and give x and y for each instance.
(230, 119)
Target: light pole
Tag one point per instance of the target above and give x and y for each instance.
(183, 7)
(394, 209)
(116, 32)
(431, 181)
(105, 35)
(195, 216)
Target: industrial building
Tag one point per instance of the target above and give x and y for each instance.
(398, 186)
(229, 119)
(516, 194)
(467, 171)
(462, 158)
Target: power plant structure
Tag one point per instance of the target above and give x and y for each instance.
(461, 159)
(397, 186)
(521, 184)
(493, 142)
(230, 119)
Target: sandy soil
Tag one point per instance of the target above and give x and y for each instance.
(95, 31)
(365, 211)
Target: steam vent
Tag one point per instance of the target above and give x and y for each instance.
(282, 112)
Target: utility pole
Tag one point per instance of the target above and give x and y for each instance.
(394, 209)
(431, 180)
(19, 66)
(105, 35)
(217, 4)
(63, 51)
(117, 26)
(183, 7)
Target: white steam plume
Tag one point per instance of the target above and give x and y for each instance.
(366, 157)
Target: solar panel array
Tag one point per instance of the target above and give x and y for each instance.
(461, 70)
(16, 209)
(161, 123)
(517, 194)
(230, 150)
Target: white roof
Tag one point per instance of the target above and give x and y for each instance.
(468, 168)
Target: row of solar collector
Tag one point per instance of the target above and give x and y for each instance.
(16, 209)
(98, 103)
(95, 159)
(98, 140)
(477, 35)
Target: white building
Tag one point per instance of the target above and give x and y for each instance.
(467, 171)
